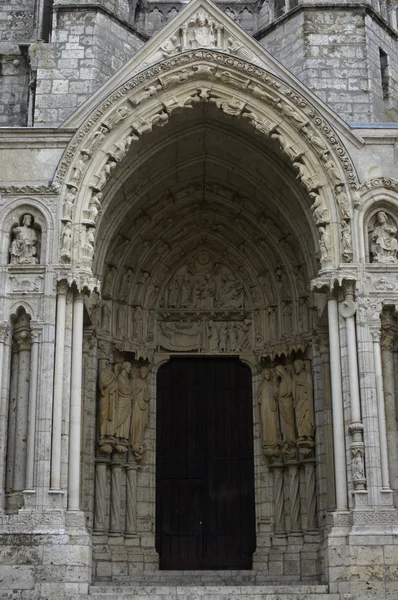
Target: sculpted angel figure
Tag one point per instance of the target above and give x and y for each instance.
(384, 244)
(22, 250)
(140, 413)
(268, 410)
(303, 400)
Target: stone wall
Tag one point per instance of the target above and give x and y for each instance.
(88, 46)
(335, 52)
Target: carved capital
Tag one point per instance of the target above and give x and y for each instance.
(4, 332)
(62, 287)
(23, 339)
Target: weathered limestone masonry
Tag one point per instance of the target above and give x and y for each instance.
(198, 267)
(336, 51)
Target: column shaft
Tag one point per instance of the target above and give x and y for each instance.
(337, 404)
(131, 500)
(385, 477)
(55, 478)
(353, 370)
(75, 406)
(21, 426)
(30, 463)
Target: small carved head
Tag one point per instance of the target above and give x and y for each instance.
(381, 217)
(299, 365)
(27, 220)
(143, 372)
(126, 367)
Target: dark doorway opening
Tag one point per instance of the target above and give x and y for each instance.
(205, 515)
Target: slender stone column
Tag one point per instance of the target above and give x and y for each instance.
(23, 338)
(279, 501)
(131, 499)
(100, 495)
(295, 524)
(347, 310)
(55, 477)
(116, 497)
(388, 364)
(30, 463)
(4, 409)
(310, 494)
(12, 417)
(75, 405)
(337, 404)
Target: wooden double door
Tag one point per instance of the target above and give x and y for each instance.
(205, 515)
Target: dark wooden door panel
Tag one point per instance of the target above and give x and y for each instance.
(204, 468)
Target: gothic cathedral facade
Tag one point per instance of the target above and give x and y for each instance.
(198, 294)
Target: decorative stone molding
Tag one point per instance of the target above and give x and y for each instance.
(387, 183)
(14, 190)
(185, 73)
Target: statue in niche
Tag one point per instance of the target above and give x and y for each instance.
(125, 284)
(284, 397)
(303, 401)
(303, 314)
(203, 31)
(268, 410)
(324, 243)
(121, 320)
(357, 465)
(108, 283)
(272, 323)
(94, 206)
(346, 241)
(173, 293)
(137, 322)
(68, 204)
(212, 334)
(66, 239)
(332, 170)
(108, 389)
(140, 413)
(106, 318)
(384, 244)
(343, 201)
(23, 246)
(186, 292)
(207, 292)
(123, 408)
(287, 313)
(142, 283)
(222, 344)
(233, 337)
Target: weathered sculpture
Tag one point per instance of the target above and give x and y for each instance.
(23, 246)
(66, 239)
(108, 389)
(303, 401)
(123, 408)
(384, 244)
(268, 412)
(284, 397)
(140, 414)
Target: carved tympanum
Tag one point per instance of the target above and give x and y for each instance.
(204, 284)
(383, 239)
(23, 246)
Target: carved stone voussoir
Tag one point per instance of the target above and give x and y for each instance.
(230, 71)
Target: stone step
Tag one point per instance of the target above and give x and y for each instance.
(210, 592)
